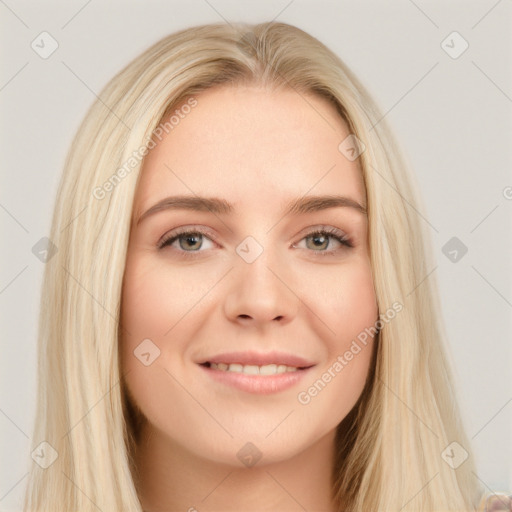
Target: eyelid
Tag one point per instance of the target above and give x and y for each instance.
(311, 230)
(341, 237)
(185, 229)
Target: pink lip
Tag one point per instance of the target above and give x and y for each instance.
(258, 384)
(260, 359)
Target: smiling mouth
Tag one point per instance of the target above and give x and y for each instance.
(251, 369)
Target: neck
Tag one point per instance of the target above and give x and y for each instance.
(171, 478)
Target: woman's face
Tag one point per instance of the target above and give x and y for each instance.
(252, 286)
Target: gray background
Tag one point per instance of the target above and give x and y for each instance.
(452, 116)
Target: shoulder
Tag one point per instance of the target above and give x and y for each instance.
(496, 502)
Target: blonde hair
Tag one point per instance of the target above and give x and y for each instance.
(389, 448)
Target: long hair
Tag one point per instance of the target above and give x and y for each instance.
(391, 450)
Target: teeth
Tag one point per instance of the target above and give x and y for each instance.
(250, 369)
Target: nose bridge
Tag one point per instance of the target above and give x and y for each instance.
(259, 288)
(255, 263)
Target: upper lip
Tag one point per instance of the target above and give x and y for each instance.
(259, 359)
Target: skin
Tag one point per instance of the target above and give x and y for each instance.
(257, 149)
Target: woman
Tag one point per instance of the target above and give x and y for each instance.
(236, 317)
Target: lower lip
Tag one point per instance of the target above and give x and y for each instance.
(258, 384)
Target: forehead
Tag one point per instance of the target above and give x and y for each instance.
(251, 145)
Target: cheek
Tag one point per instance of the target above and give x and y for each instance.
(154, 299)
(344, 300)
(355, 325)
(347, 304)
(358, 302)
(157, 315)
(148, 310)
(146, 305)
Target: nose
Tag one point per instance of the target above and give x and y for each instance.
(261, 292)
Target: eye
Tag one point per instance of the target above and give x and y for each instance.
(188, 240)
(320, 240)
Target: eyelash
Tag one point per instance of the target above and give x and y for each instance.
(338, 235)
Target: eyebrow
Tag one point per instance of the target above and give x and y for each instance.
(306, 204)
